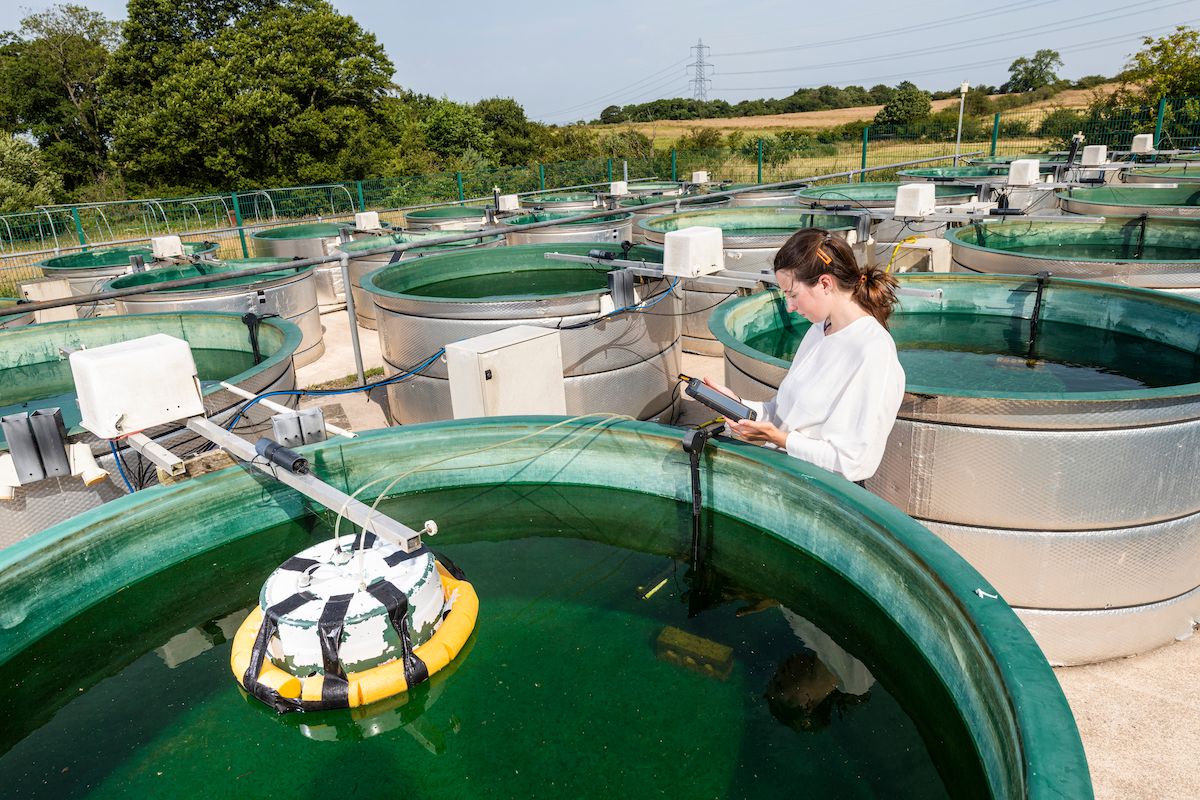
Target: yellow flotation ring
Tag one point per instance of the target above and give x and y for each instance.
(376, 683)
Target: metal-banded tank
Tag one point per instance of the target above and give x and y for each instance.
(1046, 158)
(1188, 173)
(361, 264)
(290, 293)
(573, 518)
(1061, 464)
(975, 175)
(1132, 201)
(446, 218)
(87, 272)
(634, 206)
(14, 320)
(310, 240)
(35, 374)
(626, 364)
(752, 237)
(1155, 253)
(616, 228)
(561, 201)
(883, 195)
(661, 188)
(785, 196)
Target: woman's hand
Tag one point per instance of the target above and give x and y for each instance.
(725, 390)
(759, 431)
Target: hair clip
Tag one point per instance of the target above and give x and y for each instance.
(825, 257)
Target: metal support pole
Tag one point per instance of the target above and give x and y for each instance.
(237, 217)
(862, 176)
(610, 170)
(78, 225)
(358, 362)
(995, 132)
(759, 162)
(962, 104)
(625, 170)
(362, 200)
(1158, 123)
(461, 194)
(541, 178)
(674, 166)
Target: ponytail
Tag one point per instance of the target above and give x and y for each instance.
(813, 252)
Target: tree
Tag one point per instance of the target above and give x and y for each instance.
(210, 94)
(908, 105)
(517, 139)
(25, 180)
(611, 115)
(452, 129)
(1166, 67)
(49, 88)
(1027, 74)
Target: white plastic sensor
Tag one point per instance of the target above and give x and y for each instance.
(83, 464)
(1023, 172)
(509, 202)
(1094, 155)
(915, 199)
(130, 386)
(1143, 143)
(367, 221)
(166, 247)
(618, 187)
(692, 252)
(700, 177)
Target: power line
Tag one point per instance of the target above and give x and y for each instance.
(701, 81)
(646, 79)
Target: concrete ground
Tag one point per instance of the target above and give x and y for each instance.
(1139, 717)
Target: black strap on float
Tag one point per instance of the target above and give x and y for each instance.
(400, 556)
(396, 603)
(335, 689)
(258, 654)
(694, 442)
(450, 566)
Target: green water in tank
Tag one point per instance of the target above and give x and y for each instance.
(50, 385)
(545, 282)
(566, 688)
(976, 352)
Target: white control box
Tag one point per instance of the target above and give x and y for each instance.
(517, 370)
(692, 252)
(367, 221)
(700, 177)
(916, 199)
(509, 202)
(131, 386)
(1024, 172)
(1143, 143)
(618, 187)
(1094, 155)
(166, 247)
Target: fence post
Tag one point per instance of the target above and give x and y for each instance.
(362, 201)
(674, 170)
(78, 226)
(759, 162)
(995, 132)
(542, 177)
(461, 194)
(237, 217)
(610, 170)
(862, 176)
(1158, 123)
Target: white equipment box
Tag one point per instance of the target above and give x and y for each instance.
(1024, 172)
(692, 252)
(508, 202)
(367, 221)
(131, 386)
(700, 177)
(1094, 155)
(166, 247)
(618, 187)
(1143, 144)
(517, 370)
(916, 199)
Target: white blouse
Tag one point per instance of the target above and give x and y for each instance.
(840, 397)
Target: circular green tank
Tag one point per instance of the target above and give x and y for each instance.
(612, 228)
(362, 263)
(634, 206)
(87, 272)
(1131, 201)
(310, 240)
(1154, 253)
(879, 664)
(561, 201)
(625, 364)
(1058, 456)
(661, 188)
(1186, 174)
(975, 175)
(875, 195)
(1047, 158)
(446, 218)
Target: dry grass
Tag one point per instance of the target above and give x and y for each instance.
(665, 131)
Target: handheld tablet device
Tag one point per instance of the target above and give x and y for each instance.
(723, 405)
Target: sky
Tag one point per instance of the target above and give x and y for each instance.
(565, 61)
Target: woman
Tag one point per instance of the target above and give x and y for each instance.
(839, 400)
